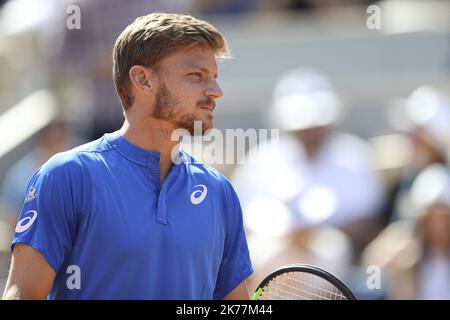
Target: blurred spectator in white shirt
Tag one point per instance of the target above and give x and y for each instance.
(317, 176)
(414, 253)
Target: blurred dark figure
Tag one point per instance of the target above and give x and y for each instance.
(414, 253)
(424, 118)
(226, 6)
(314, 4)
(309, 5)
(2, 2)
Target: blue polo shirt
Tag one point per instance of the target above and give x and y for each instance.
(103, 221)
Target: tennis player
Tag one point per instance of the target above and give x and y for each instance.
(121, 217)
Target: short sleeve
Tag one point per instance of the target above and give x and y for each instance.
(48, 220)
(236, 264)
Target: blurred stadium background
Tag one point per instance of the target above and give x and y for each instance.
(393, 84)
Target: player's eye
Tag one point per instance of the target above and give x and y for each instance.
(196, 75)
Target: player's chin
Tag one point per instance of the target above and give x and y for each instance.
(207, 125)
(207, 122)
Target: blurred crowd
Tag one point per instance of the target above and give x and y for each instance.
(329, 197)
(237, 6)
(327, 200)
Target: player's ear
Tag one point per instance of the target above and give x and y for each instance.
(141, 78)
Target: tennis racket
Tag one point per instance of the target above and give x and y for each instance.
(302, 282)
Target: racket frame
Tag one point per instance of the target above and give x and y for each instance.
(307, 268)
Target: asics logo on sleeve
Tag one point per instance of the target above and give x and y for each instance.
(199, 195)
(26, 222)
(31, 195)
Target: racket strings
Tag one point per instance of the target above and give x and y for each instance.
(332, 291)
(301, 286)
(295, 293)
(283, 294)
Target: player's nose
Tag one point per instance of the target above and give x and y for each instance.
(214, 90)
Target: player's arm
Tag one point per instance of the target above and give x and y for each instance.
(30, 276)
(236, 266)
(47, 226)
(239, 293)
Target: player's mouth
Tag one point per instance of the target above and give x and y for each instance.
(209, 108)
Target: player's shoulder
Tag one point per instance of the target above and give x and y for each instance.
(75, 159)
(93, 147)
(199, 169)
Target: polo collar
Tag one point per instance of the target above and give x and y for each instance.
(134, 153)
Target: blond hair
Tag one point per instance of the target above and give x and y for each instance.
(155, 36)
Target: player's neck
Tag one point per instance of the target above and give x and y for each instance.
(154, 137)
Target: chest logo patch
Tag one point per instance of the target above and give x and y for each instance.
(199, 195)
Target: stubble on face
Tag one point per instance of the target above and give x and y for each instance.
(166, 109)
